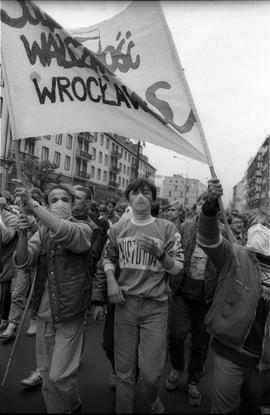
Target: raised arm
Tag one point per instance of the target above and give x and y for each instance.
(208, 233)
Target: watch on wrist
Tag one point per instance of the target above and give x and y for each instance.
(162, 256)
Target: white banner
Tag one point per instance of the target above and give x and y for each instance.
(57, 85)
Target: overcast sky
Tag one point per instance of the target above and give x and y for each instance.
(224, 48)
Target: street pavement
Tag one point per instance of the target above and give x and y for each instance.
(94, 380)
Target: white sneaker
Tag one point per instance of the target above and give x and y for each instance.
(34, 379)
(157, 407)
(173, 379)
(32, 329)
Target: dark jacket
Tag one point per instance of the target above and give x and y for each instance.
(66, 270)
(232, 313)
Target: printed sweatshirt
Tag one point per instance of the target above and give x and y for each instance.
(141, 273)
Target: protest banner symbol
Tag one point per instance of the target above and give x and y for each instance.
(56, 85)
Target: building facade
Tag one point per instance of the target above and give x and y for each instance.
(238, 196)
(183, 190)
(258, 180)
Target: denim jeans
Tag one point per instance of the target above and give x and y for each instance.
(140, 330)
(237, 388)
(188, 316)
(58, 350)
(20, 285)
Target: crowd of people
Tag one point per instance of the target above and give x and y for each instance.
(159, 276)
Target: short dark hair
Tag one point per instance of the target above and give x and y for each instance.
(140, 184)
(85, 189)
(64, 186)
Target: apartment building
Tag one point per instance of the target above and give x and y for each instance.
(181, 189)
(258, 180)
(238, 196)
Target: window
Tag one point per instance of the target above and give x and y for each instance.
(129, 157)
(48, 137)
(120, 166)
(125, 169)
(92, 171)
(100, 157)
(94, 154)
(86, 146)
(99, 174)
(69, 141)
(175, 188)
(104, 176)
(123, 182)
(45, 154)
(67, 163)
(1, 106)
(31, 148)
(58, 138)
(107, 143)
(128, 170)
(125, 155)
(95, 137)
(170, 193)
(106, 160)
(101, 139)
(84, 167)
(57, 158)
(119, 181)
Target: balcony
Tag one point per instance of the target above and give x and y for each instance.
(83, 175)
(112, 183)
(22, 155)
(84, 155)
(115, 169)
(86, 136)
(116, 154)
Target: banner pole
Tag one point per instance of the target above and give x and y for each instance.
(181, 73)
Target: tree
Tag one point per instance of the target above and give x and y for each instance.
(38, 173)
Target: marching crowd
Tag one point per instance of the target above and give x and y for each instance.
(157, 275)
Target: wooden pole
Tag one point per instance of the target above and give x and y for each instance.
(180, 71)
